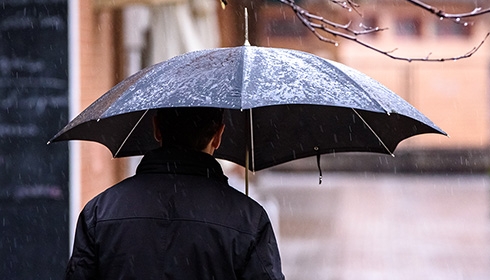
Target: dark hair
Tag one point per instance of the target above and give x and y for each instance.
(189, 127)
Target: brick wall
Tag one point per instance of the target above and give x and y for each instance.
(99, 67)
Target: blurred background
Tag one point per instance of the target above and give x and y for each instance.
(423, 214)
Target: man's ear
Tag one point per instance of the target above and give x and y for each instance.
(157, 134)
(216, 142)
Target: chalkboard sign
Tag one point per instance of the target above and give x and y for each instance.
(33, 105)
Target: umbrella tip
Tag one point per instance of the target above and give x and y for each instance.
(246, 43)
(49, 142)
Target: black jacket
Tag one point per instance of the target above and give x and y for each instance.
(177, 218)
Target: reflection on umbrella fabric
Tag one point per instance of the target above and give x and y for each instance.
(280, 105)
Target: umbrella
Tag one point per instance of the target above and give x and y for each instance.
(280, 105)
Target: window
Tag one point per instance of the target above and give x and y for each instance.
(410, 26)
(448, 27)
(285, 27)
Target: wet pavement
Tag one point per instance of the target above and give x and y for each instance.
(378, 226)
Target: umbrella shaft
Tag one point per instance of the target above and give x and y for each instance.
(247, 162)
(252, 152)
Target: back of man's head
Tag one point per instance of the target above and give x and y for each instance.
(191, 128)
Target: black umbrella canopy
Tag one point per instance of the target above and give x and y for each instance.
(280, 105)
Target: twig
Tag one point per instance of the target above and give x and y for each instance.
(442, 14)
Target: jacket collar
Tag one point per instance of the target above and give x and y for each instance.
(177, 160)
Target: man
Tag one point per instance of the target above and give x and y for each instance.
(177, 218)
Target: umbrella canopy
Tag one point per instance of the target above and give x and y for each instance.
(281, 105)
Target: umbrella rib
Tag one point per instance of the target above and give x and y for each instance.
(375, 100)
(372, 130)
(129, 134)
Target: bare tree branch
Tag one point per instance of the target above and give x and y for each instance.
(317, 24)
(442, 14)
